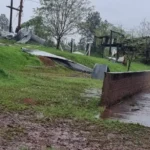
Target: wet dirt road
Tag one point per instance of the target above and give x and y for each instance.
(133, 110)
(27, 131)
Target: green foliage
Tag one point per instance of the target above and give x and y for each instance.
(95, 27)
(91, 25)
(39, 28)
(61, 17)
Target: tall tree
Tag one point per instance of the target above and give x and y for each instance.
(144, 28)
(61, 17)
(89, 27)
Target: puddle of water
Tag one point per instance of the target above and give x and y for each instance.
(134, 110)
(92, 93)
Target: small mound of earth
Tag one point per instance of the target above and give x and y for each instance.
(47, 61)
(29, 101)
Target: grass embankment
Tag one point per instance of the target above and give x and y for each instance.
(53, 91)
(91, 61)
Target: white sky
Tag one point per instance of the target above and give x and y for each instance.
(128, 13)
(27, 10)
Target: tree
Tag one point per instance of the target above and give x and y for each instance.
(141, 36)
(4, 22)
(144, 29)
(130, 53)
(39, 28)
(95, 27)
(89, 27)
(61, 17)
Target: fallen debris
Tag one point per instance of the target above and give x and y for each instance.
(25, 35)
(7, 35)
(99, 71)
(66, 62)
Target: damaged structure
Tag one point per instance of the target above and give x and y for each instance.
(61, 60)
(23, 36)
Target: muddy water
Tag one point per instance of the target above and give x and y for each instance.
(92, 93)
(133, 110)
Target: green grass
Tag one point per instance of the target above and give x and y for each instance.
(54, 91)
(16, 55)
(54, 96)
(11, 58)
(91, 61)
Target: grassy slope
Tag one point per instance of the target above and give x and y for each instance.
(12, 58)
(91, 61)
(54, 91)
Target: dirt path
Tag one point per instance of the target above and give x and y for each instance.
(25, 132)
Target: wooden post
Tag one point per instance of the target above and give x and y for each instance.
(11, 16)
(110, 42)
(71, 45)
(20, 15)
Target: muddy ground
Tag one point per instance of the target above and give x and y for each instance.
(30, 131)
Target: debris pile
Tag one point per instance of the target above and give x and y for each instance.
(23, 36)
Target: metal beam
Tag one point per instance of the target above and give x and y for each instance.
(13, 8)
(117, 33)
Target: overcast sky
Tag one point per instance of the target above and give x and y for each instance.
(128, 13)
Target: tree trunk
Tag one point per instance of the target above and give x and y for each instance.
(71, 45)
(58, 42)
(130, 61)
(102, 53)
(110, 43)
(129, 65)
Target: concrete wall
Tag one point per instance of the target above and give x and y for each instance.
(118, 86)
